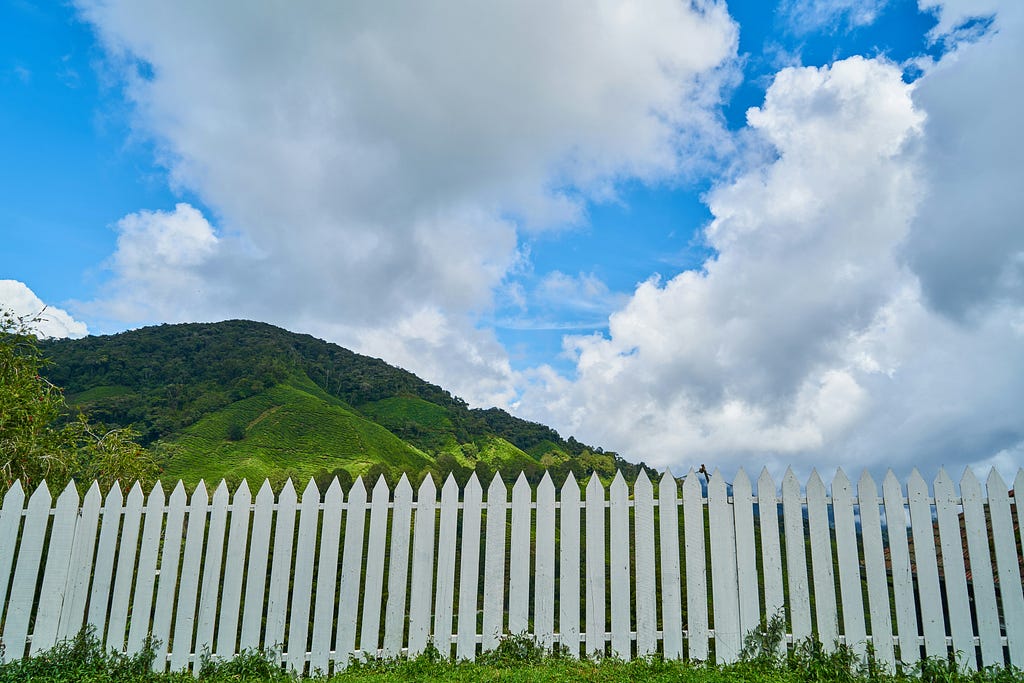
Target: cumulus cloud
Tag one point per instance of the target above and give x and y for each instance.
(54, 322)
(808, 337)
(364, 164)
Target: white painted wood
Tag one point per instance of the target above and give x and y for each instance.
(796, 558)
(519, 558)
(398, 569)
(646, 591)
(351, 573)
(724, 584)
(55, 571)
(369, 639)
(927, 568)
(444, 597)
(771, 552)
(1018, 497)
(848, 559)
(746, 553)
(128, 543)
(326, 580)
(874, 569)
(256, 569)
(544, 577)
(142, 601)
(10, 523)
(902, 579)
(696, 569)
(103, 575)
(167, 581)
(981, 570)
(826, 616)
(494, 564)
(422, 566)
(1009, 570)
(231, 596)
(72, 616)
(569, 566)
(671, 578)
(188, 588)
(469, 578)
(26, 571)
(595, 575)
(620, 555)
(302, 578)
(947, 512)
(280, 569)
(213, 559)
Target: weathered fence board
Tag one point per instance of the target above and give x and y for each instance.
(177, 568)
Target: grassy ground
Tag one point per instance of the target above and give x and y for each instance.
(516, 659)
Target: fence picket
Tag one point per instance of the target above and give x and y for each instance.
(874, 569)
(351, 573)
(645, 586)
(902, 579)
(955, 579)
(671, 579)
(1009, 570)
(444, 597)
(724, 586)
(825, 613)
(849, 564)
(799, 599)
(142, 602)
(72, 615)
(256, 568)
(213, 556)
(981, 570)
(10, 523)
(280, 570)
(326, 580)
(231, 596)
(125, 572)
(191, 561)
(746, 559)
(771, 553)
(519, 558)
(99, 599)
(595, 576)
(302, 578)
(494, 563)
(55, 571)
(569, 565)
(469, 572)
(544, 591)
(373, 587)
(168, 578)
(398, 569)
(927, 570)
(23, 588)
(696, 569)
(619, 567)
(422, 566)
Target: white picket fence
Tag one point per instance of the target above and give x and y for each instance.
(623, 574)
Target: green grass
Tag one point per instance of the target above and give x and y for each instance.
(97, 393)
(288, 430)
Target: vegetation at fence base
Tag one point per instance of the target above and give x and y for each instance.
(517, 658)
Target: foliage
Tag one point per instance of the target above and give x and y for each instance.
(40, 438)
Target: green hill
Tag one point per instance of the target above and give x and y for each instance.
(241, 399)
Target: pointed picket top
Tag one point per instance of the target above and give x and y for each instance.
(450, 486)
(178, 494)
(866, 486)
(114, 496)
(358, 490)
(474, 485)
(156, 492)
(618, 486)
(136, 491)
(790, 482)
(243, 488)
(716, 483)
(969, 484)
(311, 492)
(94, 492)
(765, 484)
(741, 485)
(69, 496)
(545, 482)
(690, 484)
(815, 486)
(916, 482)
(643, 484)
(427, 489)
(42, 492)
(570, 481)
(891, 485)
(16, 492)
(594, 486)
(667, 487)
(265, 490)
(944, 483)
(1018, 492)
(497, 491)
(403, 489)
(841, 481)
(334, 494)
(381, 488)
(995, 482)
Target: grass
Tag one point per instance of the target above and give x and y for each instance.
(517, 658)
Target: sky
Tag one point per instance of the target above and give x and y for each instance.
(759, 233)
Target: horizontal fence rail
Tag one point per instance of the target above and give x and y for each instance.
(682, 569)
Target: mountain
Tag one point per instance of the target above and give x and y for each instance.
(242, 399)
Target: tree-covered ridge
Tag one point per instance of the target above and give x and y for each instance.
(190, 391)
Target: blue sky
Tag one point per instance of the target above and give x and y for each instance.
(562, 210)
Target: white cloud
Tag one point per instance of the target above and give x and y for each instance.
(806, 16)
(362, 162)
(807, 338)
(54, 322)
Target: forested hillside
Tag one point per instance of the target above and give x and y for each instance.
(241, 399)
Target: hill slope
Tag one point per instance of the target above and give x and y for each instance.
(241, 399)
